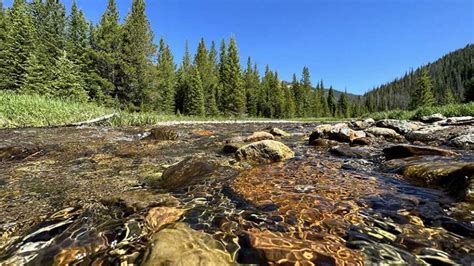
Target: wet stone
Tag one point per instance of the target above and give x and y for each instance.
(350, 152)
(186, 172)
(384, 132)
(181, 245)
(163, 133)
(265, 151)
(402, 151)
(279, 133)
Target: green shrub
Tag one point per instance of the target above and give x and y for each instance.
(446, 110)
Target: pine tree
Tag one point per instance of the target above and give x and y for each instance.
(202, 61)
(107, 43)
(49, 22)
(331, 100)
(266, 105)
(469, 88)
(306, 92)
(277, 97)
(298, 95)
(35, 82)
(343, 105)
(251, 88)
(68, 82)
(449, 97)
(3, 27)
(76, 33)
(17, 47)
(166, 80)
(53, 27)
(222, 66)
(233, 87)
(77, 44)
(137, 50)
(315, 103)
(194, 99)
(423, 95)
(290, 106)
(183, 80)
(322, 100)
(212, 102)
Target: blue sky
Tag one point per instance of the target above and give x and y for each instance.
(353, 44)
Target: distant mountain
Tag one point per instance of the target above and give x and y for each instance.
(451, 72)
(336, 92)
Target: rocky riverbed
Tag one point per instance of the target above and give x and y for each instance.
(352, 193)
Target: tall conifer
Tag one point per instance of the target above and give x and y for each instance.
(137, 51)
(234, 94)
(17, 47)
(166, 80)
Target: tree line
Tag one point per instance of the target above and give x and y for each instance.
(46, 51)
(448, 80)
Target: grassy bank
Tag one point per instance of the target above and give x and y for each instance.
(18, 111)
(446, 110)
(37, 111)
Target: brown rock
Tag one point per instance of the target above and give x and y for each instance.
(163, 133)
(161, 216)
(279, 133)
(324, 143)
(187, 172)
(384, 132)
(265, 151)
(258, 136)
(181, 245)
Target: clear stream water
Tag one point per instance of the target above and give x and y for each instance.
(89, 196)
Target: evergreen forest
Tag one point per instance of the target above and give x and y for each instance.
(48, 50)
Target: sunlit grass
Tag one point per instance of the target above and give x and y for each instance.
(449, 110)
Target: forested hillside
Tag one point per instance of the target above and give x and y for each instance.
(452, 79)
(45, 51)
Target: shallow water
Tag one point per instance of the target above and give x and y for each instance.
(87, 196)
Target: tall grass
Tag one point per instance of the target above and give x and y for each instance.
(37, 111)
(466, 109)
(17, 110)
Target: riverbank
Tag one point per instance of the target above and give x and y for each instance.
(21, 111)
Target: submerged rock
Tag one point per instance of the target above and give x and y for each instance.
(456, 177)
(17, 153)
(163, 133)
(363, 141)
(404, 150)
(400, 126)
(279, 133)
(324, 143)
(159, 217)
(350, 152)
(181, 245)
(384, 132)
(265, 151)
(186, 172)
